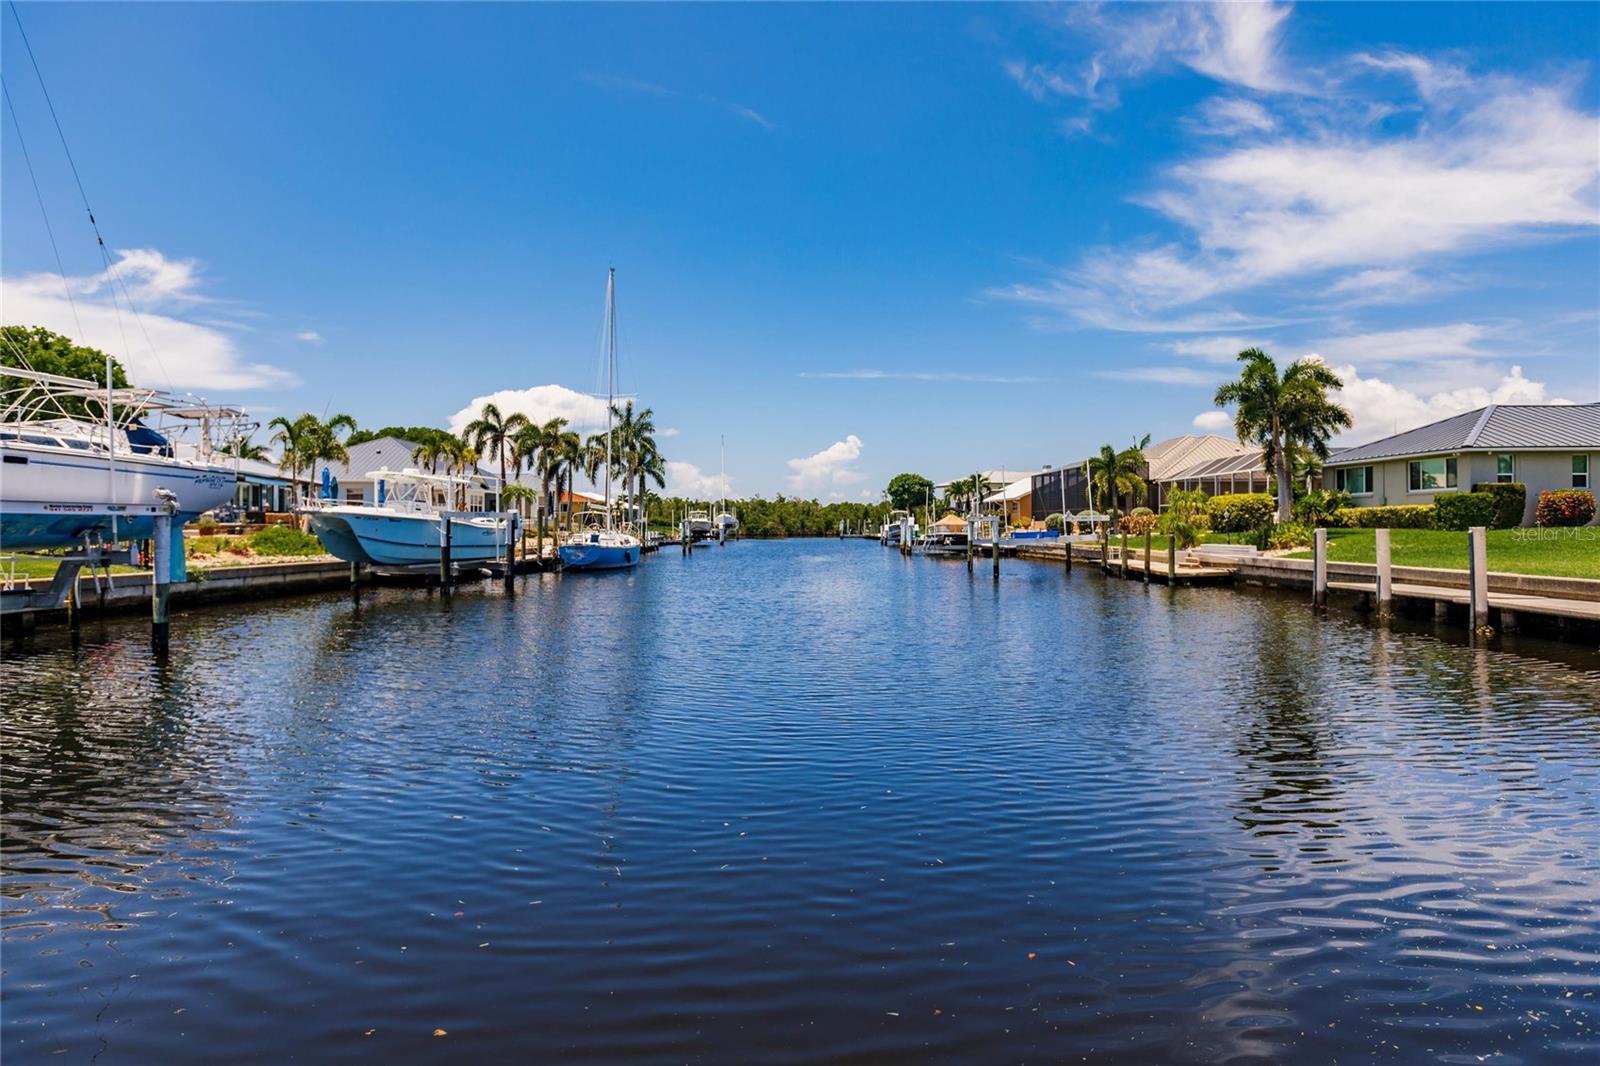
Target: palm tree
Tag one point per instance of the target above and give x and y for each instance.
(568, 459)
(510, 496)
(1117, 475)
(497, 433)
(428, 454)
(535, 446)
(461, 459)
(634, 448)
(1278, 411)
(293, 436)
(245, 448)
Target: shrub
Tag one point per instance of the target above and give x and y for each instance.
(1289, 535)
(1054, 522)
(284, 540)
(1403, 516)
(1137, 525)
(1463, 510)
(1510, 501)
(1318, 507)
(207, 523)
(1240, 512)
(1185, 517)
(1565, 507)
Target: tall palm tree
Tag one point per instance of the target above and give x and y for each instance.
(634, 446)
(1278, 411)
(461, 459)
(495, 435)
(429, 453)
(535, 446)
(1118, 475)
(292, 436)
(568, 460)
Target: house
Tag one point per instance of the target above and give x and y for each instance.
(265, 487)
(1543, 446)
(1017, 500)
(1067, 489)
(996, 479)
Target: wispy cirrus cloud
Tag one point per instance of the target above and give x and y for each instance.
(647, 88)
(920, 375)
(1162, 375)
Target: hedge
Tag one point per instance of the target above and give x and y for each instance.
(1463, 510)
(1511, 500)
(1240, 512)
(1402, 516)
(1565, 507)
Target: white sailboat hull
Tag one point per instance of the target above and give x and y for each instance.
(54, 497)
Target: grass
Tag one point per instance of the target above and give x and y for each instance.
(1545, 552)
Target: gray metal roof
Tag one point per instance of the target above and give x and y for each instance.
(1243, 462)
(1498, 427)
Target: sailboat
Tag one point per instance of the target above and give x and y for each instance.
(604, 547)
(727, 524)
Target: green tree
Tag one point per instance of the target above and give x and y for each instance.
(907, 491)
(1278, 411)
(1184, 520)
(536, 446)
(36, 348)
(244, 448)
(497, 433)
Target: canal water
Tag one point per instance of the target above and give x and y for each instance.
(798, 802)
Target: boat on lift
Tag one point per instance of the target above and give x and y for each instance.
(405, 527)
(726, 524)
(80, 460)
(699, 525)
(889, 532)
(603, 546)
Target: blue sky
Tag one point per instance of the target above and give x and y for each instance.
(853, 239)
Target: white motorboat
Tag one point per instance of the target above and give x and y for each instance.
(700, 526)
(405, 527)
(68, 477)
(889, 532)
(604, 547)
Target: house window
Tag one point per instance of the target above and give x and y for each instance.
(352, 495)
(1431, 475)
(1505, 469)
(1356, 480)
(1580, 471)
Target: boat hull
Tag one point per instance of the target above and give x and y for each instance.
(593, 555)
(404, 541)
(54, 499)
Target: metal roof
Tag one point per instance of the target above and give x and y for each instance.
(1250, 461)
(1497, 427)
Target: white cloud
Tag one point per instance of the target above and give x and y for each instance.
(1215, 349)
(1213, 421)
(539, 404)
(830, 466)
(1379, 408)
(161, 348)
(1233, 115)
(309, 336)
(1163, 375)
(689, 481)
(1422, 344)
(1350, 208)
(670, 431)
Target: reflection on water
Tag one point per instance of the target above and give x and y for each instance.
(793, 802)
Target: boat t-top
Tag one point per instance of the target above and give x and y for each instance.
(889, 532)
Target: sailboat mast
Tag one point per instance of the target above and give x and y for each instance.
(611, 370)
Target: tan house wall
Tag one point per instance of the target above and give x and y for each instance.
(1539, 471)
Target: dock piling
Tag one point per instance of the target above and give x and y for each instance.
(161, 583)
(1478, 581)
(444, 551)
(1172, 560)
(1147, 557)
(994, 549)
(511, 552)
(1319, 568)
(1122, 552)
(1385, 594)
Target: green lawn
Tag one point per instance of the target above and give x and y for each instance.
(1550, 552)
